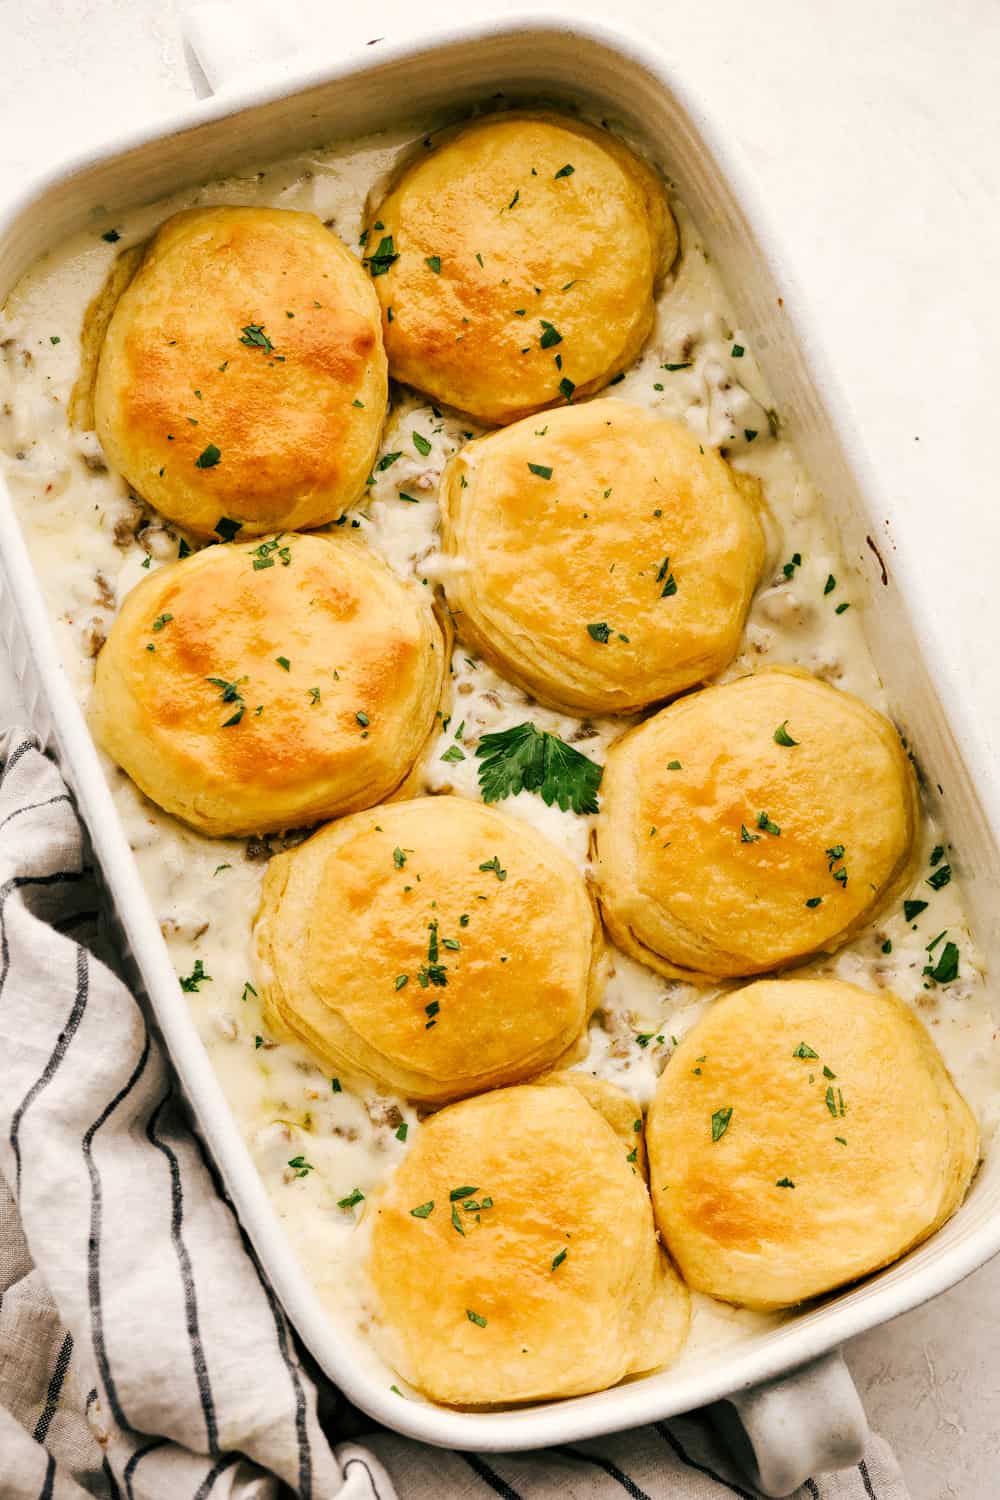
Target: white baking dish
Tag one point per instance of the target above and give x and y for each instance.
(797, 1422)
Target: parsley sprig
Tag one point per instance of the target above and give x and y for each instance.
(532, 760)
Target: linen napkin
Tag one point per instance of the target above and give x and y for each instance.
(143, 1355)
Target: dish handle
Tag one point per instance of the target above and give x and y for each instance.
(238, 40)
(784, 1431)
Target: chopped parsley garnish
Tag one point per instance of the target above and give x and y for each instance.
(913, 909)
(383, 258)
(433, 263)
(111, 235)
(401, 980)
(764, 822)
(720, 1122)
(683, 365)
(230, 690)
(781, 735)
(567, 388)
(557, 1260)
(494, 865)
(566, 171)
(207, 459)
(737, 351)
(254, 337)
(457, 1194)
(528, 759)
(665, 577)
(165, 619)
(402, 1131)
(674, 765)
(283, 663)
(550, 335)
(421, 444)
(542, 470)
(946, 968)
(746, 837)
(600, 632)
(937, 855)
(314, 695)
(803, 1050)
(516, 196)
(398, 858)
(362, 718)
(453, 754)
(828, 1072)
(386, 461)
(423, 1210)
(301, 1167)
(189, 984)
(841, 607)
(264, 555)
(940, 878)
(785, 1182)
(830, 584)
(749, 434)
(353, 1198)
(814, 901)
(475, 1317)
(248, 989)
(336, 1086)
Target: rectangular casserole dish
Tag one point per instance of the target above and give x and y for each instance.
(627, 82)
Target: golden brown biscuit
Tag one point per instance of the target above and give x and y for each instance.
(516, 263)
(436, 945)
(255, 687)
(514, 1257)
(606, 559)
(242, 375)
(805, 1133)
(724, 849)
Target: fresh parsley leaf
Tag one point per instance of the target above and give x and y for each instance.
(946, 968)
(720, 1122)
(494, 865)
(207, 459)
(254, 337)
(423, 1210)
(190, 983)
(379, 263)
(550, 335)
(781, 735)
(421, 444)
(528, 759)
(352, 1200)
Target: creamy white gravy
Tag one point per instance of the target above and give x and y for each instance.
(92, 541)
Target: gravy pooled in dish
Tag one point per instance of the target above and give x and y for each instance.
(522, 264)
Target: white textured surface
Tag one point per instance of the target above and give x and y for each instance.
(872, 132)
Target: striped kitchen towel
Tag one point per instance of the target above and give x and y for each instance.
(143, 1355)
